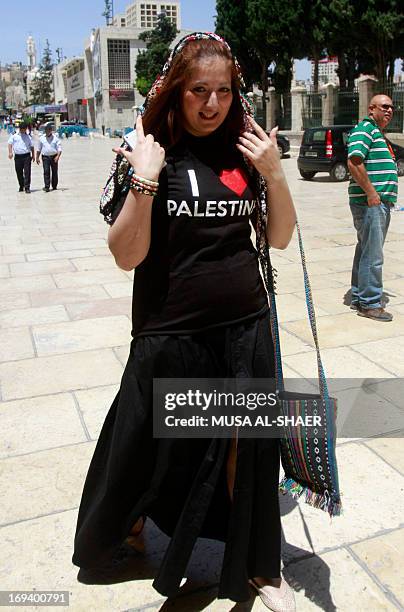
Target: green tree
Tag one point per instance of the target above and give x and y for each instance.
(382, 33)
(150, 62)
(231, 23)
(274, 29)
(42, 84)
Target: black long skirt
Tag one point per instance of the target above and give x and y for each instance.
(181, 483)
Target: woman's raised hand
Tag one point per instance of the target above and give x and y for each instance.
(147, 158)
(262, 150)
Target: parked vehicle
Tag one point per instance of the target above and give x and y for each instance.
(325, 149)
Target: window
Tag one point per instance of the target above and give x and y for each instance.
(319, 136)
(119, 64)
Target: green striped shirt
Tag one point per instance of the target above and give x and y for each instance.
(367, 141)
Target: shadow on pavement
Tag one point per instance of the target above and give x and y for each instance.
(385, 298)
(303, 570)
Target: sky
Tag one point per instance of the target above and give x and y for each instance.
(67, 23)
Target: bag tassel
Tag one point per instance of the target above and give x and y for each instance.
(317, 500)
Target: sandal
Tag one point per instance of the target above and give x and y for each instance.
(280, 599)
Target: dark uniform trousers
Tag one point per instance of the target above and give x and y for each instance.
(49, 165)
(23, 169)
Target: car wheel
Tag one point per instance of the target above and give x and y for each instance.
(307, 175)
(280, 149)
(400, 167)
(339, 172)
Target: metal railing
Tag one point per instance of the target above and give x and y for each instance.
(312, 109)
(346, 107)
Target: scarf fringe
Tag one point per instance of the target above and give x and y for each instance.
(323, 501)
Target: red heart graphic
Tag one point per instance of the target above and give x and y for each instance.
(235, 180)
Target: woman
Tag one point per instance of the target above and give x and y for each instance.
(199, 310)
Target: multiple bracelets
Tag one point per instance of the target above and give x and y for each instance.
(143, 185)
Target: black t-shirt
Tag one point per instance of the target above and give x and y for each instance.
(201, 270)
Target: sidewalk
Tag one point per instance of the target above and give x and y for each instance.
(65, 331)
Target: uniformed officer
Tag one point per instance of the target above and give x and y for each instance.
(51, 149)
(20, 147)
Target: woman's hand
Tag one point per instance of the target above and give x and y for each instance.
(262, 151)
(147, 158)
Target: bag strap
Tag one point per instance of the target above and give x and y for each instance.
(312, 318)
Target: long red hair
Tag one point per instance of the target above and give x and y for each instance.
(163, 116)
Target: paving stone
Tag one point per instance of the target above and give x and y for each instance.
(69, 296)
(48, 552)
(9, 301)
(383, 348)
(58, 373)
(118, 290)
(341, 365)
(33, 316)
(101, 308)
(347, 329)
(81, 279)
(44, 482)
(363, 477)
(49, 421)
(78, 244)
(94, 405)
(16, 248)
(384, 556)
(95, 263)
(292, 307)
(58, 255)
(290, 344)
(7, 259)
(15, 344)
(4, 270)
(122, 352)
(335, 581)
(390, 449)
(30, 283)
(81, 335)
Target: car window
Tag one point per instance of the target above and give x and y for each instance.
(318, 136)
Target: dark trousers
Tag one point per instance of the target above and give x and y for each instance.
(23, 169)
(49, 165)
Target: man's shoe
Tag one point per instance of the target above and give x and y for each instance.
(21, 189)
(378, 314)
(280, 599)
(45, 188)
(28, 191)
(354, 306)
(54, 188)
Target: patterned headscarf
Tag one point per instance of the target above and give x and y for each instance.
(260, 183)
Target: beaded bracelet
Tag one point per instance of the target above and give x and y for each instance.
(148, 182)
(143, 189)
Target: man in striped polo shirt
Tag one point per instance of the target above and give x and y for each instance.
(372, 193)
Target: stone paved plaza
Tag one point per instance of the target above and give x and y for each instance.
(65, 331)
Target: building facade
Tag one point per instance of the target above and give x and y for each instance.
(327, 70)
(141, 14)
(110, 55)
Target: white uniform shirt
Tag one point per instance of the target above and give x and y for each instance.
(49, 145)
(21, 143)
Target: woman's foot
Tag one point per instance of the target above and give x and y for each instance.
(135, 538)
(275, 594)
